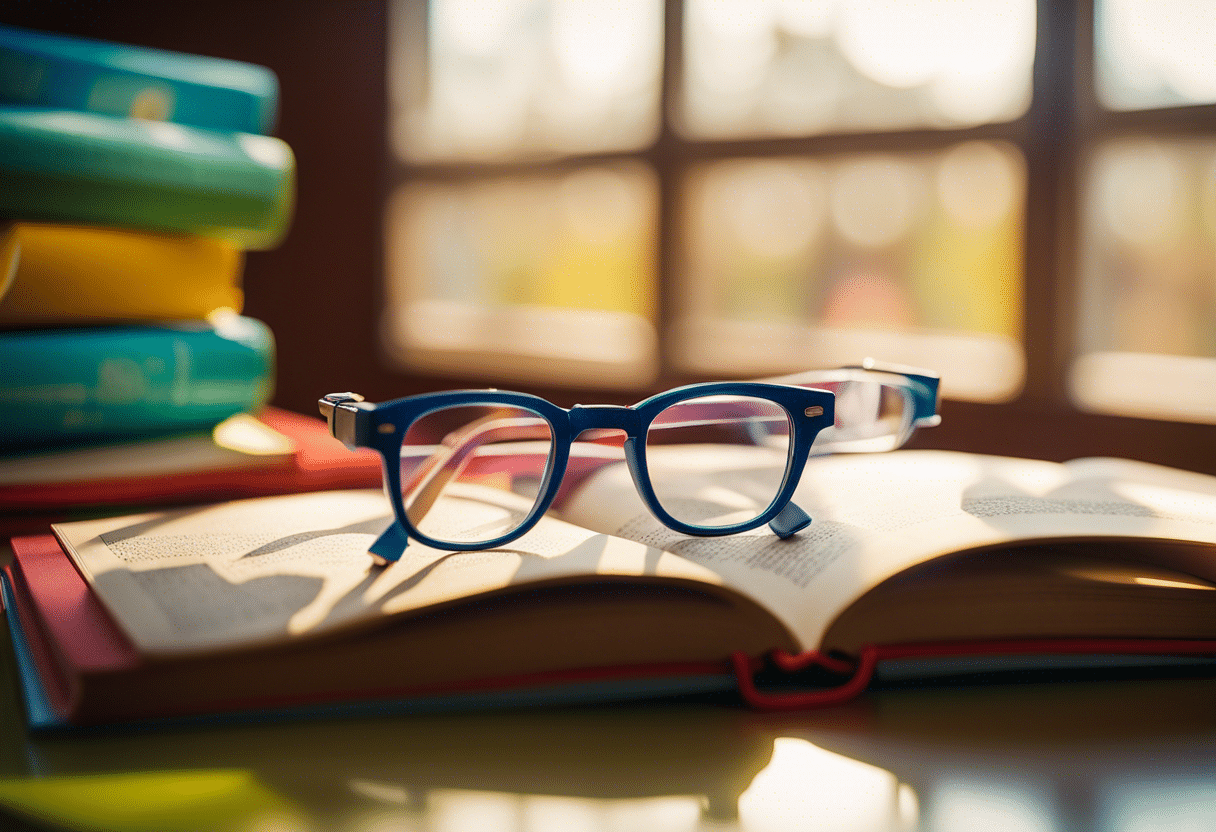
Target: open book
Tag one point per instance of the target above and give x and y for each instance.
(273, 602)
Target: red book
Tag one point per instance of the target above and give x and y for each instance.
(282, 452)
(78, 667)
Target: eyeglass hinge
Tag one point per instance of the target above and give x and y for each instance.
(328, 405)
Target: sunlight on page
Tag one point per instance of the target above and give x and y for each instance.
(231, 573)
(808, 788)
(553, 550)
(1166, 501)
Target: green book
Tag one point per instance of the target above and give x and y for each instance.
(38, 69)
(71, 386)
(75, 167)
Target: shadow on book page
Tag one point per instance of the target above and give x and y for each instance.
(258, 571)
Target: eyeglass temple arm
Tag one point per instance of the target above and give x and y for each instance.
(926, 383)
(463, 444)
(456, 450)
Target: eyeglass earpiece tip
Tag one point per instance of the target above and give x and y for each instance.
(790, 521)
(389, 545)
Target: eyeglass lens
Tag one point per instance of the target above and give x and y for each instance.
(471, 474)
(742, 442)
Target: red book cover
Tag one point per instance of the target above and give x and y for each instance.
(68, 631)
(317, 462)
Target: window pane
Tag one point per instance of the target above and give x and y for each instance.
(542, 279)
(1147, 334)
(801, 67)
(1154, 53)
(492, 79)
(913, 258)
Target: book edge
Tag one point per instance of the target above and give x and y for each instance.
(312, 466)
(40, 713)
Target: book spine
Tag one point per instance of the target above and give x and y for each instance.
(59, 387)
(38, 69)
(64, 274)
(72, 167)
(44, 681)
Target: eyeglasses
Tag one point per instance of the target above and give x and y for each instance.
(476, 469)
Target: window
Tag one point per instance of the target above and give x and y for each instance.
(553, 270)
(824, 260)
(1146, 330)
(502, 264)
(618, 194)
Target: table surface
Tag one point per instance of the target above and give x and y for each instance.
(1126, 756)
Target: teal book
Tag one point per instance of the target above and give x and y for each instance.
(66, 166)
(72, 386)
(38, 69)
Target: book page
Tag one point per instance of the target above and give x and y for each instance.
(1099, 471)
(877, 514)
(276, 568)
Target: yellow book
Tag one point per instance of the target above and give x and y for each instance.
(72, 274)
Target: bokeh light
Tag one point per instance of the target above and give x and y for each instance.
(1154, 53)
(1146, 335)
(798, 262)
(499, 79)
(556, 271)
(801, 67)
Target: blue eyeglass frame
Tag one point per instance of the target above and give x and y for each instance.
(381, 427)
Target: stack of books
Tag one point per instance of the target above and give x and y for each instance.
(133, 182)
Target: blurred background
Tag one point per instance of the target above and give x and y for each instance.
(593, 200)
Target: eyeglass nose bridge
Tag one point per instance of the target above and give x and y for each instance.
(603, 416)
